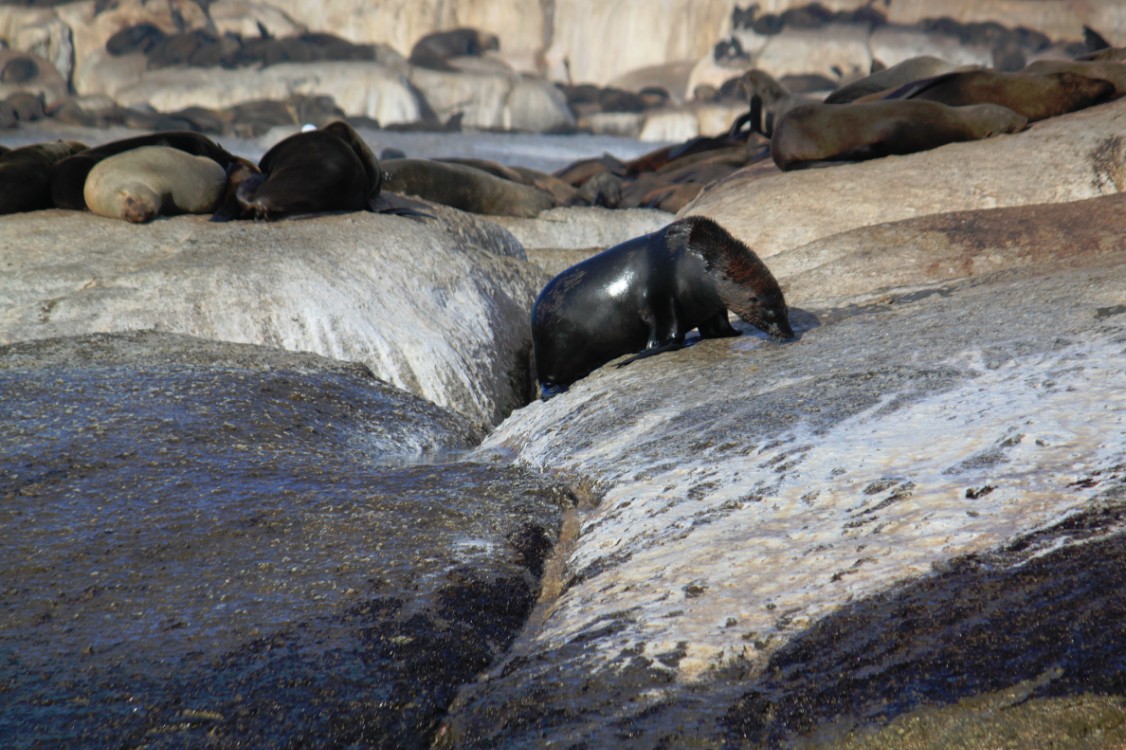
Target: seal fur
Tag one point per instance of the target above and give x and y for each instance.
(139, 184)
(815, 134)
(642, 297)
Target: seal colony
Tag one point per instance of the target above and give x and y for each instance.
(642, 297)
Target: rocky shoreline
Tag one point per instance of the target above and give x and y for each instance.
(287, 484)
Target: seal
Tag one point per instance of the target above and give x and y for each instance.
(68, 178)
(138, 184)
(25, 174)
(643, 296)
(1107, 70)
(465, 188)
(768, 101)
(819, 134)
(1033, 95)
(900, 74)
(330, 169)
(434, 50)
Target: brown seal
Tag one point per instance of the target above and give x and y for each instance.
(815, 134)
(1106, 70)
(900, 74)
(330, 169)
(464, 187)
(68, 179)
(434, 50)
(25, 174)
(141, 183)
(1035, 96)
(642, 297)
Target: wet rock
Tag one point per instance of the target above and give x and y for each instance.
(903, 498)
(436, 306)
(1069, 158)
(209, 544)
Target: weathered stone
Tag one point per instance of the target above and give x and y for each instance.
(210, 544)
(490, 100)
(561, 237)
(358, 88)
(791, 536)
(431, 305)
(1068, 158)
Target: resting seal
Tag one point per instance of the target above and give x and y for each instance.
(434, 50)
(1033, 95)
(644, 295)
(68, 179)
(25, 174)
(466, 188)
(330, 169)
(908, 71)
(813, 134)
(139, 184)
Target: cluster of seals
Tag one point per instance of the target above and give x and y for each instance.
(892, 111)
(203, 48)
(642, 297)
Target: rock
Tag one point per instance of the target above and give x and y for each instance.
(205, 544)
(247, 19)
(491, 100)
(670, 125)
(798, 51)
(942, 247)
(28, 72)
(433, 306)
(890, 514)
(1068, 158)
(589, 40)
(892, 45)
(560, 237)
(366, 89)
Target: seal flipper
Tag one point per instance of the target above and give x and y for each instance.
(717, 326)
(668, 346)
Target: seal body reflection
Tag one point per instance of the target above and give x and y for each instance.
(644, 295)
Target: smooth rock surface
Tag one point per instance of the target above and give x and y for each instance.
(921, 500)
(219, 545)
(560, 237)
(1062, 159)
(366, 89)
(436, 306)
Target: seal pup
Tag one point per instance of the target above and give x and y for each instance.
(819, 134)
(141, 183)
(1033, 95)
(25, 174)
(643, 296)
(330, 169)
(68, 178)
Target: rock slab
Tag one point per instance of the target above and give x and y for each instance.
(219, 545)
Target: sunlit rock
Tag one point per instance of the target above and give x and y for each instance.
(438, 306)
(358, 88)
(1067, 158)
(852, 505)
